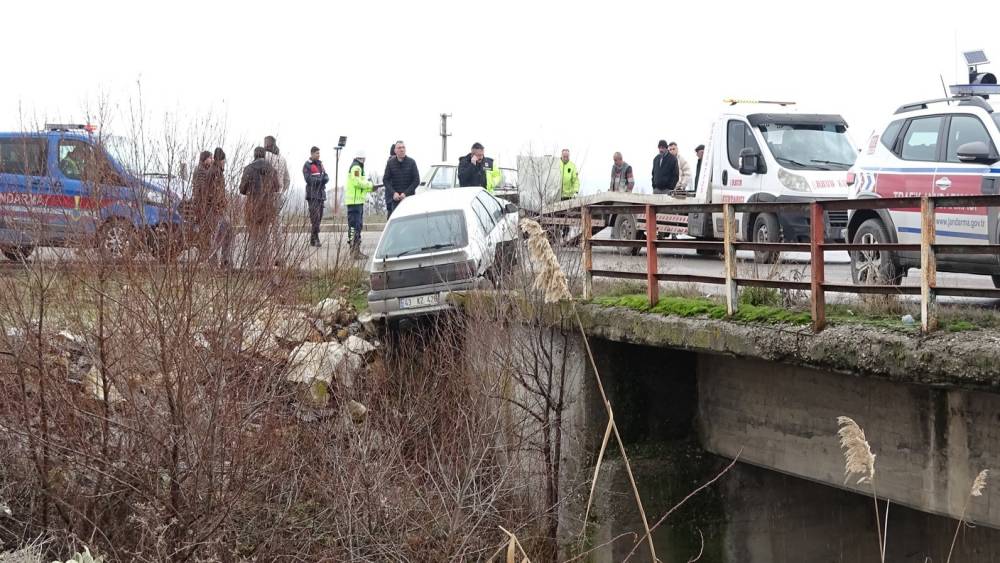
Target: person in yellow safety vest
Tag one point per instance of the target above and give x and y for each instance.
(356, 193)
(570, 177)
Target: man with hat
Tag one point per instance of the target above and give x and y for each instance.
(665, 172)
(356, 192)
(700, 151)
(316, 180)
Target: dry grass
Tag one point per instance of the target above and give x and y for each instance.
(858, 455)
(549, 278)
(978, 484)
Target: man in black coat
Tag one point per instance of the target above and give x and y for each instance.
(665, 171)
(473, 167)
(316, 180)
(401, 178)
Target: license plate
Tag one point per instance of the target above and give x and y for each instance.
(418, 301)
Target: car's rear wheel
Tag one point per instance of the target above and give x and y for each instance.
(874, 267)
(18, 253)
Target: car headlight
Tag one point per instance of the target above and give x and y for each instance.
(793, 181)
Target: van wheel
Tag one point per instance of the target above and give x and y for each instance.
(626, 228)
(116, 240)
(18, 253)
(874, 267)
(766, 229)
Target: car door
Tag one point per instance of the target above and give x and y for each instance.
(23, 183)
(71, 195)
(954, 177)
(737, 187)
(486, 246)
(918, 150)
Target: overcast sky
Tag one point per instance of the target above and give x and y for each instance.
(517, 76)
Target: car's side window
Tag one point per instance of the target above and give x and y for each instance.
(23, 156)
(920, 142)
(483, 216)
(891, 133)
(965, 129)
(493, 206)
(74, 158)
(739, 137)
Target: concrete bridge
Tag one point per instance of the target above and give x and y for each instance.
(771, 395)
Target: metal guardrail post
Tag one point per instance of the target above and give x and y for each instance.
(588, 259)
(652, 284)
(928, 265)
(729, 255)
(817, 235)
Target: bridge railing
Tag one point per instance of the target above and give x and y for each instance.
(817, 286)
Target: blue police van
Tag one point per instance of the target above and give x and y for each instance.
(62, 187)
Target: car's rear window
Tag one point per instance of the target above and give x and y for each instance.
(429, 232)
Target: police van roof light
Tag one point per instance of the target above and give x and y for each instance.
(974, 89)
(70, 127)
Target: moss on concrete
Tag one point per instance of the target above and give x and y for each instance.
(968, 359)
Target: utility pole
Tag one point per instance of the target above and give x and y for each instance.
(444, 136)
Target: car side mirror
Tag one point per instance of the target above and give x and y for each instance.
(749, 161)
(976, 152)
(510, 208)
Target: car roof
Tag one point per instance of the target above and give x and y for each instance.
(437, 200)
(452, 165)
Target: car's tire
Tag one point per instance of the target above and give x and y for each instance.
(626, 227)
(116, 241)
(996, 281)
(766, 229)
(18, 253)
(874, 267)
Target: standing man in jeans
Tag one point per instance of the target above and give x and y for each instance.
(665, 172)
(316, 180)
(401, 178)
(260, 184)
(355, 193)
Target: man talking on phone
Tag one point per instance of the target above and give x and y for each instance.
(474, 169)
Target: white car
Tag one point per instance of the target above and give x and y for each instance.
(931, 148)
(444, 175)
(437, 242)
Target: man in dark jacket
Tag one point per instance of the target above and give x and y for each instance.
(401, 178)
(474, 167)
(259, 183)
(665, 171)
(316, 180)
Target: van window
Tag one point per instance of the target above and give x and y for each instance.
(965, 129)
(921, 139)
(74, 158)
(428, 232)
(23, 156)
(809, 146)
(891, 133)
(738, 137)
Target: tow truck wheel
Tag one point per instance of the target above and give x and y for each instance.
(626, 228)
(996, 281)
(116, 240)
(766, 229)
(18, 253)
(873, 267)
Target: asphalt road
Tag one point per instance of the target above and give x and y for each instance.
(793, 266)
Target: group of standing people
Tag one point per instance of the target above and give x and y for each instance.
(671, 171)
(264, 183)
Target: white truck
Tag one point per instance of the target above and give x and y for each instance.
(756, 152)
